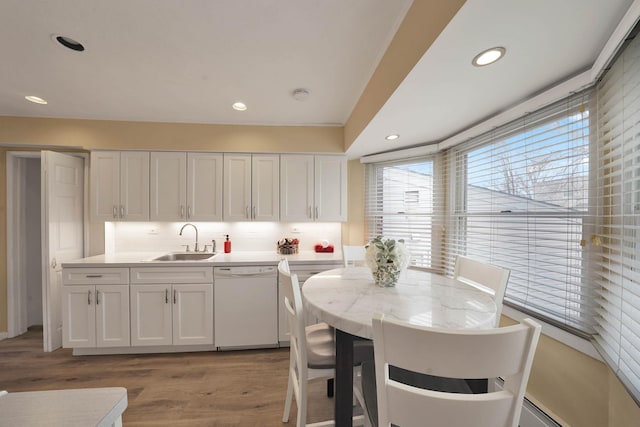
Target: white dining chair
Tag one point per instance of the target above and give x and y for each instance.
(451, 355)
(487, 277)
(312, 351)
(353, 255)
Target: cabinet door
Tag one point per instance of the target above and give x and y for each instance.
(150, 315)
(265, 187)
(330, 188)
(204, 187)
(237, 187)
(112, 316)
(296, 188)
(192, 314)
(79, 311)
(105, 185)
(168, 184)
(134, 186)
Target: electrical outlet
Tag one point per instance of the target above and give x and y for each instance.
(152, 231)
(295, 230)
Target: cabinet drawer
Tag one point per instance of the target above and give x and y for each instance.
(151, 275)
(95, 276)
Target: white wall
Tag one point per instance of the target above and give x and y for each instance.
(244, 236)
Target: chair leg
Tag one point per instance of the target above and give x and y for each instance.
(330, 387)
(287, 402)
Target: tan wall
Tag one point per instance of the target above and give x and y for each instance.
(579, 390)
(105, 134)
(353, 229)
(18, 133)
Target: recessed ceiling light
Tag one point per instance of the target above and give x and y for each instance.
(239, 106)
(35, 99)
(69, 43)
(488, 56)
(392, 137)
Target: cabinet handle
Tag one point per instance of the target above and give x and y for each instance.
(97, 297)
(316, 212)
(88, 297)
(255, 212)
(309, 214)
(121, 211)
(181, 211)
(188, 211)
(115, 211)
(166, 296)
(246, 212)
(93, 276)
(175, 296)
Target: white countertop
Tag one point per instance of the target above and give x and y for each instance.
(139, 259)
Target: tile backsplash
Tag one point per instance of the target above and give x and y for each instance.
(244, 236)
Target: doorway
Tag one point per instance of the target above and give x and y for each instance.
(46, 216)
(24, 242)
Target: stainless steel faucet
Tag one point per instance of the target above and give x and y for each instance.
(197, 249)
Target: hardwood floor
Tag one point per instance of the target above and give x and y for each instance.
(238, 388)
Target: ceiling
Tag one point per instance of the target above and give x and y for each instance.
(189, 61)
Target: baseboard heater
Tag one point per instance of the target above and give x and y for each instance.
(532, 415)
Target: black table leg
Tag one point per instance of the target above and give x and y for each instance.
(344, 379)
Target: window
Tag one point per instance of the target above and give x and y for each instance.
(617, 272)
(399, 204)
(522, 203)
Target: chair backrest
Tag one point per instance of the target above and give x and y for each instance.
(352, 255)
(295, 316)
(488, 277)
(463, 354)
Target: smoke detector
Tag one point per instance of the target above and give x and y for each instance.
(300, 94)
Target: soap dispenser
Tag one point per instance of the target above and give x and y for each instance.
(227, 245)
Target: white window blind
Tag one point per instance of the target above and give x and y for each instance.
(399, 204)
(521, 202)
(617, 272)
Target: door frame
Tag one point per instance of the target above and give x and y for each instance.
(15, 292)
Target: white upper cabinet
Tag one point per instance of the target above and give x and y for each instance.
(186, 186)
(296, 188)
(313, 188)
(330, 189)
(204, 186)
(120, 186)
(251, 187)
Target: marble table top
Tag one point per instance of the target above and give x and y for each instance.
(346, 299)
(100, 407)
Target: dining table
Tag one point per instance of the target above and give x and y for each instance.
(347, 298)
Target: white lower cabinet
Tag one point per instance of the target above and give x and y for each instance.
(95, 314)
(170, 307)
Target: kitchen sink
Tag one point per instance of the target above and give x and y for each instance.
(185, 256)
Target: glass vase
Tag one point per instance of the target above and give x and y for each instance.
(386, 275)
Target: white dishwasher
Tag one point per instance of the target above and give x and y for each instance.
(246, 306)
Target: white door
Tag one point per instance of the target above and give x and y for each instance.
(237, 187)
(62, 233)
(296, 188)
(265, 187)
(204, 186)
(79, 309)
(134, 186)
(168, 184)
(330, 188)
(151, 315)
(193, 314)
(112, 316)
